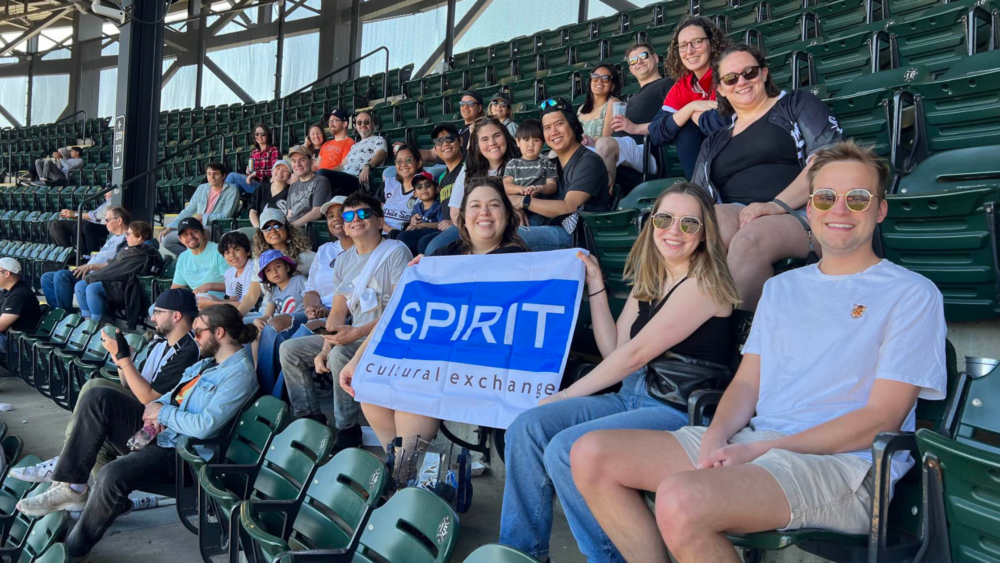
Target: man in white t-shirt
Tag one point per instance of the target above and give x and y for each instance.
(838, 352)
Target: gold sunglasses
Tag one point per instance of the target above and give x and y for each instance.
(689, 225)
(857, 200)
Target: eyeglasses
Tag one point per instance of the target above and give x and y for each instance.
(198, 331)
(446, 140)
(632, 61)
(694, 44)
(750, 73)
(594, 77)
(468, 104)
(408, 160)
(157, 311)
(857, 200)
(499, 103)
(273, 227)
(359, 123)
(259, 134)
(689, 225)
(361, 214)
(336, 120)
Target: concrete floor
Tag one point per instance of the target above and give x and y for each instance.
(155, 536)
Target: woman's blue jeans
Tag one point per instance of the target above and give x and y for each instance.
(537, 455)
(92, 299)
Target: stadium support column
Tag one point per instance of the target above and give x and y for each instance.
(137, 115)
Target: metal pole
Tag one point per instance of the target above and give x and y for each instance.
(280, 58)
(202, 32)
(449, 34)
(583, 11)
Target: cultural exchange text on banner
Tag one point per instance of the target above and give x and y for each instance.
(474, 339)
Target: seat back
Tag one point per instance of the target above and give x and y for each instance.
(93, 350)
(614, 233)
(12, 490)
(959, 112)
(78, 339)
(497, 553)
(64, 328)
(255, 429)
(56, 553)
(22, 522)
(940, 36)
(415, 526)
(12, 448)
(43, 534)
(979, 419)
(943, 223)
(643, 196)
(290, 463)
(339, 497)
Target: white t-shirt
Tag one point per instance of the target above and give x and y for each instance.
(398, 206)
(350, 264)
(238, 285)
(458, 188)
(321, 273)
(824, 340)
(362, 153)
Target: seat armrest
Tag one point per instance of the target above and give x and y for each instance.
(698, 402)
(885, 445)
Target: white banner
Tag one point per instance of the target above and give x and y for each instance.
(474, 339)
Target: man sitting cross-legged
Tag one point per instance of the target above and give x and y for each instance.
(838, 352)
(171, 352)
(209, 395)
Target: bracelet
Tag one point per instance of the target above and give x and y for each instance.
(566, 393)
(603, 289)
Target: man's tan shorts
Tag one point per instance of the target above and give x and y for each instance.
(823, 491)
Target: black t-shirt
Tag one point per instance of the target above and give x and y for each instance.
(757, 164)
(262, 198)
(165, 364)
(21, 300)
(446, 181)
(585, 172)
(455, 249)
(645, 104)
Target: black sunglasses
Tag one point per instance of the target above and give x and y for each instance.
(362, 214)
(594, 77)
(467, 104)
(447, 139)
(732, 78)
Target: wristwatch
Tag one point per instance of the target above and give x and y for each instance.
(525, 201)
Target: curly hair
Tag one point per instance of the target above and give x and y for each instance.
(717, 40)
(297, 243)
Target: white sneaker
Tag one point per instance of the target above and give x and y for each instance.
(58, 497)
(39, 473)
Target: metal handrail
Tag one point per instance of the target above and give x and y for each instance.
(111, 186)
(385, 82)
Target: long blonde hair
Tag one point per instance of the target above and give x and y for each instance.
(647, 271)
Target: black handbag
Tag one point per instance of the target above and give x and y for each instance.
(671, 378)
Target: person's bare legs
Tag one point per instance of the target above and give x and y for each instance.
(693, 508)
(388, 424)
(757, 246)
(607, 148)
(728, 216)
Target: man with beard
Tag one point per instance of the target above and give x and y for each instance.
(171, 352)
(209, 395)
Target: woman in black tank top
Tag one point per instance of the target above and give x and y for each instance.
(681, 302)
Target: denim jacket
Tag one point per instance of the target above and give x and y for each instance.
(215, 400)
(225, 208)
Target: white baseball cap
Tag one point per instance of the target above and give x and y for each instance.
(11, 265)
(337, 200)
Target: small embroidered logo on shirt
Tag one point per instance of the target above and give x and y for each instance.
(858, 311)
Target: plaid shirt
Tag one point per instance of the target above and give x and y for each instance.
(264, 160)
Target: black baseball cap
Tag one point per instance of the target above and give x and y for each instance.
(474, 94)
(189, 223)
(180, 300)
(339, 114)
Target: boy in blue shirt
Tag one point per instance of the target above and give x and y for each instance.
(426, 213)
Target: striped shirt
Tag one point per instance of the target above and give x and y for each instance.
(165, 364)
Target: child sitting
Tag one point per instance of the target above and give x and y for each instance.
(532, 174)
(426, 213)
(242, 287)
(283, 286)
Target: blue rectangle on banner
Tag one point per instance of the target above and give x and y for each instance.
(520, 325)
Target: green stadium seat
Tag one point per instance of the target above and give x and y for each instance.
(644, 195)
(640, 18)
(835, 62)
(62, 388)
(777, 36)
(12, 447)
(960, 519)
(614, 233)
(43, 533)
(336, 507)
(863, 106)
(287, 468)
(741, 17)
(939, 37)
(414, 526)
(11, 491)
(34, 348)
(942, 225)
(246, 444)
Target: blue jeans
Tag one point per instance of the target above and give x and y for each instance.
(58, 289)
(268, 363)
(443, 239)
(550, 237)
(92, 298)
(241, 180)
(412, 237)
(537, 455)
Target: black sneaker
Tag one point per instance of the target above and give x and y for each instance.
(318, 417)
(347, 438)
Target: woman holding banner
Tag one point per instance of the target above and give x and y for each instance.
(486, 224)
(677, 316)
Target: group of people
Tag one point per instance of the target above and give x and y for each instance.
(788, 446)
